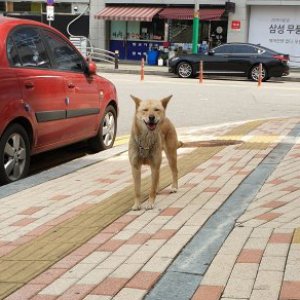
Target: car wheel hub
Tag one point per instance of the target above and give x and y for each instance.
(108, 129)
(255, 73)
(185, 70)
(14, 157)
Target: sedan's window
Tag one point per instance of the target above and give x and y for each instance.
(223, 49)
(25, 49)
(245, 49)
(64, 56)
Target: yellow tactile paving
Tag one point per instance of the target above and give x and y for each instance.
(296, 238)
(29, 260)
(238, 132)
(259, 142)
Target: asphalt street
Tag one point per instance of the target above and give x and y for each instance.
(213, 102)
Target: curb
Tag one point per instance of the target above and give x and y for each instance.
(60, 170)
(171, 75)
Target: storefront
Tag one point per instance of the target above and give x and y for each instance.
(278, 28)
(134, 31)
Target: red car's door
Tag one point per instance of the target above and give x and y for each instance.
(84, 103)
(43, 90)
(82, 96)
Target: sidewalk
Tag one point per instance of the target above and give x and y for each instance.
(232, 231)
(135, 68)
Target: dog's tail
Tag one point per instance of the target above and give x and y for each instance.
(179, 144)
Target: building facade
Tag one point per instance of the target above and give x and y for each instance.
(164, 23)
(65, 12)
(271, 23)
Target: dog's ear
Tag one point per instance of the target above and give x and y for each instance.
(136, 100)
(165, 101)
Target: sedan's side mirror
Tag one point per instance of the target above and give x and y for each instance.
(91, 68)
(211, 52)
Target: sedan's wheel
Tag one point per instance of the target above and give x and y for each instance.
(107, 131)
(254, 73)
(184, 70)
(14, 154)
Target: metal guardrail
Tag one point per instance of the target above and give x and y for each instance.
(98, 54)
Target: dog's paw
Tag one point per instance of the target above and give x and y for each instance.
(149, 205)
(136, 206)
(173, 190)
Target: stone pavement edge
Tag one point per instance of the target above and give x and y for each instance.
(232, 231)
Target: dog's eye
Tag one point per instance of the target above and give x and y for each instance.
(145, 109)
(156, 109)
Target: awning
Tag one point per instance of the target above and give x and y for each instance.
(205, 14)
(126, 13)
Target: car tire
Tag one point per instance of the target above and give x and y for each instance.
(254, 73)
(14, 154)
(107, 131)
(185, 70)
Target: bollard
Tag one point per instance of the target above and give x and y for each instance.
(116, 59)
(201, 72)
(259, 75)
(142, 68)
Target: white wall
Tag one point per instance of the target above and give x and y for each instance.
(286, 39)
(240, 14)
(97, 27)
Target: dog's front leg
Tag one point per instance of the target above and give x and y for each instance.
(154, 185)
(136, 173)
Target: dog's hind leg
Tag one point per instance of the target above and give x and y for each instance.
(171, 154)
(136, 173)
(154, 186)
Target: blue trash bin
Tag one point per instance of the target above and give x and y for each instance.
(152, 57)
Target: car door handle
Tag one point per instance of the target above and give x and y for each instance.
(71, 85)
(29, 84)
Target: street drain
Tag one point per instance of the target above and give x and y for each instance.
(211, 143)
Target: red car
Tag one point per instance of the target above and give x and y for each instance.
(50, 96)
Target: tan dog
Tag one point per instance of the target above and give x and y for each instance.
(151, 133)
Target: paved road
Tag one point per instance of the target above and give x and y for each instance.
(210, 103)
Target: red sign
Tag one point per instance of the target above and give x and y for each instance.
(236, 25)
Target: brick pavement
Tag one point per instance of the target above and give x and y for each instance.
(75, 237)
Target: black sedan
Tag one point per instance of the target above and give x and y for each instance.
(234, 59)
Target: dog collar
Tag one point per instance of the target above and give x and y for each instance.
(143, 151)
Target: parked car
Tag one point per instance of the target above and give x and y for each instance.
(234, 59)
(50, 96)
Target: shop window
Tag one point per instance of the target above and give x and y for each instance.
(2, 6)
(152, 30)
(22, 6)
(181, 31)
(133, 30)
(118, 30)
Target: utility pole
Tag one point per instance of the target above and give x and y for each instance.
(196, 27)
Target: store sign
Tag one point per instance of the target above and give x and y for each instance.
(278, 28)
(236, 25)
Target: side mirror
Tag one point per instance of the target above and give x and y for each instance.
(211, 52)
(91, 68)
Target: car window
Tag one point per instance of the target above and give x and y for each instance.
(12, 53)
(64, 56)
(247, 49)
(25, 49)
(223, 49)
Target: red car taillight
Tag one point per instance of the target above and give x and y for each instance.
(281, 57)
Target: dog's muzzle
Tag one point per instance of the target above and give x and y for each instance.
(152, 123)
